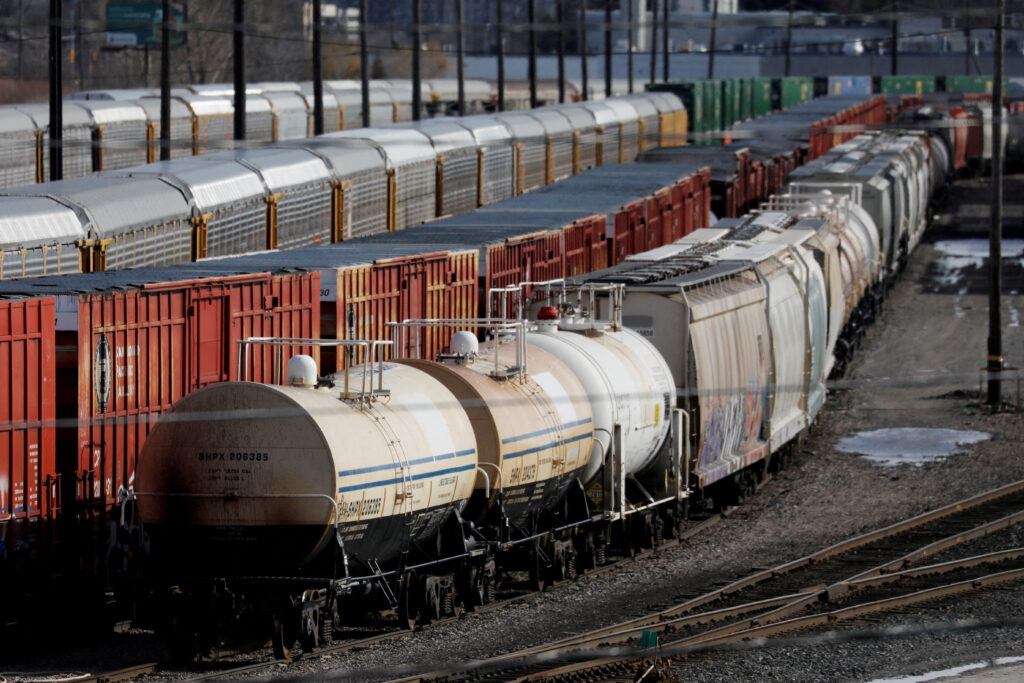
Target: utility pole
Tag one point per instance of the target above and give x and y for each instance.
(532, 15)
(664, 40)
(461, 55)
(653, 6)
(789, 39)
(165, 82)
(561, 51)
(629, 44)
(239, 63)
(585, 95)
(967, 42)
(56, 94)
(895, 37)
(607, 48)
(318, 71)
(417, 92)
(995, 244)
(364, 62)
(21, 39)
(714, 31)
(501, 55)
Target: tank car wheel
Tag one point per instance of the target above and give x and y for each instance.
(433, 602)
(538, 571)
(408, 605)
(283, 636)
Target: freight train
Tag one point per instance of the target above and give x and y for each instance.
(678, 377)
(112, 351)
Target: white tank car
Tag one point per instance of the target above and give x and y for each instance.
(628, 383)
(254, 471)
(537, 427)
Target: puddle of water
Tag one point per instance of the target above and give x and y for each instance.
(914, 446)
(960, 266)
(951, 673)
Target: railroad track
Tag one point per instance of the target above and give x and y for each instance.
(877, 572)
(693, 530)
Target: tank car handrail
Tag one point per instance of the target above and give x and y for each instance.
(371, 345)
(518, 290)
(493, 324)
(487, 479)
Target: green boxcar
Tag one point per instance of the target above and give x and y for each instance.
(790, 91)
(693, 96)
(904, 85)
(971, 84)
(746, 98)
(761, 98)
(714, 117)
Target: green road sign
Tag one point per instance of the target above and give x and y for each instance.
(138, 24)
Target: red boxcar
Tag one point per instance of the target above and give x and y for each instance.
(140, 348)
(585, 246)
(27, 421)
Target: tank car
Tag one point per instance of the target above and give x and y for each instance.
(314, 483)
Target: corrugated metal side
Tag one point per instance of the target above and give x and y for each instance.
(237, 228)
(140, 350)
(416, 199)
(628, 222)
(561, 155)
(527, 258)
(284, 305)
(27, 418)
(304, 216)
(123, 145)
(498, 173)
(629, 141)
(18, 157)
(77, 152)
(532, 164)
(368, 297)
(608, 143)
(213, 132)
(38, 261)
(366, 201)
(132, 365)
(460, 169)
(463, 285)
(156, 245)
(586, 246)
(259, 126)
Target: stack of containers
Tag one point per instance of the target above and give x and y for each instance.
(133, 342)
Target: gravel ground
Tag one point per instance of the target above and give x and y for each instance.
(918, 367)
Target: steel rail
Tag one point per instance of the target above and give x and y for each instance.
(785, 606)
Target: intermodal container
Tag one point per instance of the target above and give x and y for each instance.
(27, 420)
(762, 100)
(971, 84)
(746, 98)
(904, 85)
(692, 94)
(790, 91)
(586, 246)
(848, 85)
